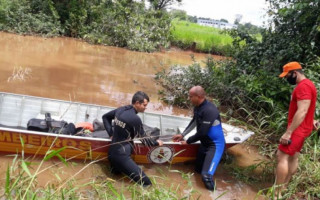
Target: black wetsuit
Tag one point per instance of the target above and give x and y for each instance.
(127, 125)
(209, 132)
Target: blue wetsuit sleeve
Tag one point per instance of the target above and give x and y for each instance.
(204, 125)
(107, 121)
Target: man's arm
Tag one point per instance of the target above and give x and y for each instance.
(192, 124)
(204, 126)
(190, 127)
(303, 107)
(107, 121)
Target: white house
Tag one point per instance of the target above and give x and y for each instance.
(216, 23)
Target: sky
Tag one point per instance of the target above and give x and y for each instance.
(252, 11)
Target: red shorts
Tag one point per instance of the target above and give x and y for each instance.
(295, 146)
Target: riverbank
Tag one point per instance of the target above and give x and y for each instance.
(136, 28)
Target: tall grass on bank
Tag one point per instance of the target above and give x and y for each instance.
(305, 183)
(188, 35)
(22, 183)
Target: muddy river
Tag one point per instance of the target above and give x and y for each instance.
(69, 69)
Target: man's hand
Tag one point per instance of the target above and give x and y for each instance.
(183, 142)
(177, 138)
(316, 124)
(285, 138)
(160, 142)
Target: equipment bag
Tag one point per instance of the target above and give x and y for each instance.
(53, 125)
(49, 125)
(37, 125)
(57, 126)
(69, 129)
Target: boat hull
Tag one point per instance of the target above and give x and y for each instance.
(15, 141)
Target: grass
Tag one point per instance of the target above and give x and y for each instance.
(21, 183)
(206, 39)
(305, 182)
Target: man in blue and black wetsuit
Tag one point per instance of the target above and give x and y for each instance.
(209, 131)
(128, 125)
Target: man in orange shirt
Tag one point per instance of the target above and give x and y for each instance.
(300, 123)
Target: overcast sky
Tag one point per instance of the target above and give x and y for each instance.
(253, 11)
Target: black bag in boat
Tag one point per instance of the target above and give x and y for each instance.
(69, 129)
(62, 127)
(51, 126)
(37, 125)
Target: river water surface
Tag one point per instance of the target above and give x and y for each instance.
(68, 69)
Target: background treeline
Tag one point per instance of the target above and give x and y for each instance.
(248, 90)
(123, 23)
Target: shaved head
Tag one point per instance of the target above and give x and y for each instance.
(198, 91)
(197, 95)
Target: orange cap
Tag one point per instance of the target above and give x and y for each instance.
(289, 67)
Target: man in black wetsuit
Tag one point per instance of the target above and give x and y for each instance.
(128, 125)
(209, 131)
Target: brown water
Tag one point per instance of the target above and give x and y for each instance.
(62, 68)
(68, 69)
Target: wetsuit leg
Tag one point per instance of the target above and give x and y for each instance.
(200, 159)
(114, 169)
(124, 163)
(213, 156)
(207, 177)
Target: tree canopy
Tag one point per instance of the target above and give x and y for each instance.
(162, 4)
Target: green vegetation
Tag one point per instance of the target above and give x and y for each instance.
(249, 91)
(122, 23)
(21, 182)
(188, 35)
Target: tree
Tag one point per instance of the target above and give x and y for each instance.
(293, 35)
(224, 20)
(193, 19)
(179, 14)
(162, 4)
(250, 28)
(238, 19)
(296, 22)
